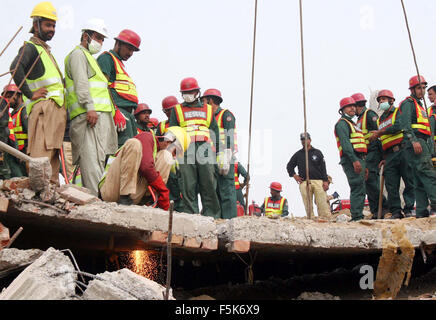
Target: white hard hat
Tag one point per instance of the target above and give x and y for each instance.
(97, 25)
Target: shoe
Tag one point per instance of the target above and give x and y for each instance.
(397, 216)
(125, 200)
(408, 214)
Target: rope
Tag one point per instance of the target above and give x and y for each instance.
(309, 198)
(411, 45)
(251, 105)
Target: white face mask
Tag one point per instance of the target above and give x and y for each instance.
(189, 98)
(94, 46)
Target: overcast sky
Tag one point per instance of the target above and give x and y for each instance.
(350, 46)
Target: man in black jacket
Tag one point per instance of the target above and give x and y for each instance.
(319, 183)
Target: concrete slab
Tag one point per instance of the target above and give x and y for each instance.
(13, 258)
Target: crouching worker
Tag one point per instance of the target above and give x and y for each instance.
(141, 162)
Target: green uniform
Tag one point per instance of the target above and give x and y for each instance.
(422, 168)
(198, 172)
(239, 195)
(8, 167)
(397, 167)
(126, 107)
(142, 126)
(19, 167)
(226, 184)
(432, 118)
(373, 158)
(355, 181)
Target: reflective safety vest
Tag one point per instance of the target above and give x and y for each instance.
(52, 80)
(20, 134)
(196, 121)
(11, 128)
(422, 120)
(363, 125)
(111, 159)
(356, 138)
(98, 89)
(274, 208)
(123, 84)
(389, 140)
(432, 113)
(237, 185)
(219, 120)
(163, 126)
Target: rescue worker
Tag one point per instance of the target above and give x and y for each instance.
(153, 124)
(431, 92)
(8, 166)
(226, 124)
(240, 171)
(318, 177)
(92, 131)
(197, 167)
(122, 88)
(142, 115)
(396, 163)
(352, 151)
(174, 179)
(20, 125)
(167, 105)
(417, 131)
(275, 206)
(43, 88)
(367, 122)
(142, 161)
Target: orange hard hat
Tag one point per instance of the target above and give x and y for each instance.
(358, 97)
(130, 37)
(11, 88)
(153, 122)
(385, 93)
(414, 81)
(345, 102)
(213, 93)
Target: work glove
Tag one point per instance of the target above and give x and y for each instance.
(223, 159)
(163, 200)
(120, 120)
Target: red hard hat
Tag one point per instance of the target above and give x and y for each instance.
(358, 97)
(11, 88)
(153, 122)
(129, 37)
(348, 101)
(169, 102)
(189, 84)
(385, 93)
(214, 93)
(414, 81)
(142, 107)
(276, 186)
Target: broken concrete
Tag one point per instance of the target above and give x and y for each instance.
(13, 258)
(70, 193)
(124, 285)
(50, 277)
(4, 236)
(39, 173)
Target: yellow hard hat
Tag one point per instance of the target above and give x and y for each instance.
(46, 10)
(181, 136)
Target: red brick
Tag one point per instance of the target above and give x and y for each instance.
(4, 203)
(158, 237)
(191, 243)
(4, 236)
(176, 240)
(239, 246)
(210, 244)
(16, 183)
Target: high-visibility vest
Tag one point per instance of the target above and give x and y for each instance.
(363, 125)
(52, 80)
(98, 89)
(123, 84)
(237, 184)
(219, 120)
(432, 113)
(11, 128)
(19, 132)
(163, 126)
(356, 138)
(196, 121)
(274, 208)
(111, 159)
(422, 121)
(390, 140)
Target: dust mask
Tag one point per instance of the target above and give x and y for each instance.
(189, 98)
(384, 106)
(94, 47)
